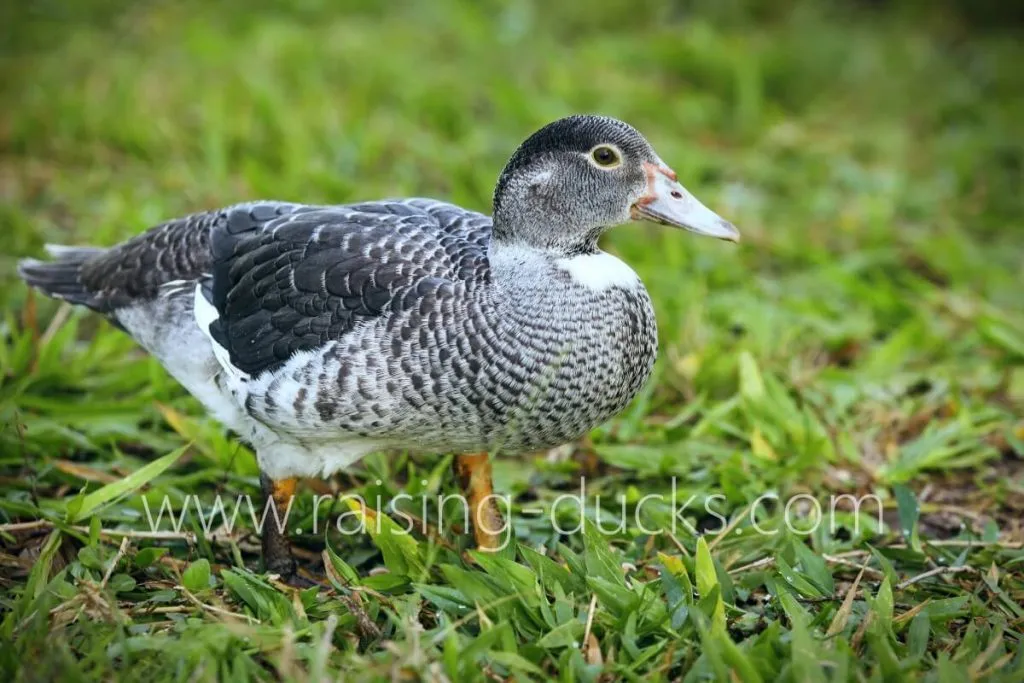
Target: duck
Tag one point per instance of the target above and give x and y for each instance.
(322, 333)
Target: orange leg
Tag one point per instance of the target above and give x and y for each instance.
(277, 551)
(284, 491)
(474, 475)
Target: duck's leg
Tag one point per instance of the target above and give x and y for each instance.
(277, 551)
(473, 472)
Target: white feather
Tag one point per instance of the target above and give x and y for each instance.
(206, 314)
(59, 251)
(600, 271)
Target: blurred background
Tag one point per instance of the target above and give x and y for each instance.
(867, 335)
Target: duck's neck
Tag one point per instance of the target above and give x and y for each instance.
(536, 226)
(516, 267)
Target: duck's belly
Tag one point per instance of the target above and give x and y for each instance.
(468, 379)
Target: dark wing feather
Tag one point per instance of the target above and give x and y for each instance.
(178, 250)
(300, 280)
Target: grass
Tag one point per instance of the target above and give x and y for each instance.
(866, 338)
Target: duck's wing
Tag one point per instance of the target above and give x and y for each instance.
(305, 278)
(172, 255)
(175, 252)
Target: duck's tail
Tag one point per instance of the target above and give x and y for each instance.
(61, 277)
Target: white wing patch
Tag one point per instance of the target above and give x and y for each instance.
(206, 314)
(600, 271)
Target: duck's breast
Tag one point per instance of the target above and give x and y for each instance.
(571, 349)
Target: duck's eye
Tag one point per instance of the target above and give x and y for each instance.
(605, 156)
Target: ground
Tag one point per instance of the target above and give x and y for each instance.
(865, 338)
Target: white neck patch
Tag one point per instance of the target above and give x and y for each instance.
(600, 271)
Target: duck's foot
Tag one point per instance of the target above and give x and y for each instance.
(303, 579)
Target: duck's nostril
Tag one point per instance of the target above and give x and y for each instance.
(676, 194)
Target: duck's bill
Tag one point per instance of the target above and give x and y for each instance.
(669, 203)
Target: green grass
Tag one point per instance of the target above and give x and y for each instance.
(867, 337)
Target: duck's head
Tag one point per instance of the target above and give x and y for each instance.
(575, 178)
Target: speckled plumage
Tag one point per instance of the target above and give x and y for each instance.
(321, 333)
